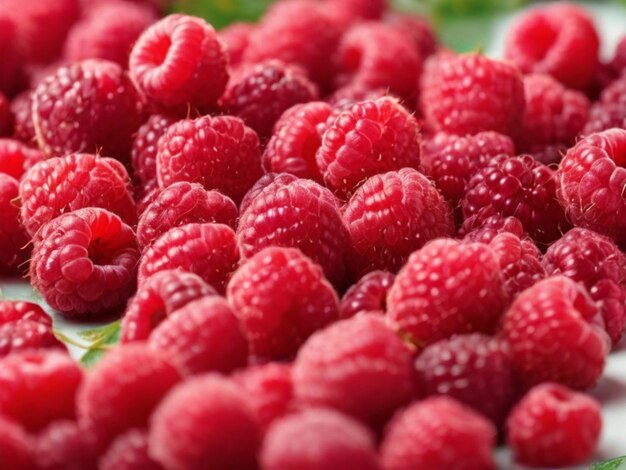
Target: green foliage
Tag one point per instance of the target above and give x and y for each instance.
(100, 340)
(223, 12)
(615, 464)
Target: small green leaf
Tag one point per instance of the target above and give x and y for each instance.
(94, 335)
(615, 464)
(222, 12)
(106, 336)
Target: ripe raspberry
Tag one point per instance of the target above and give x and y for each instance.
(260, 93)
(473, 369)
(368, 294)
(124, 389)
(218, 152)
(180, 61)
(23, 127)
(552, 338)
(358, 9)
(145, 146)
(370, 138)
(16, 158)
(11, 60)
(447, 288)
(281, 297)
(438, 434)
(390, 216)
(156, 298)
(296, 213)
(90, 106)
(297, 137)
(559, 40)
(17, 310)
(280, 179)
(6, 118)
(38, 387)
(13, 238)
(358, 366)
(129, 452)
(236, 37)
(180, 204)
(479, 230)
(66, 445)
(208, 250)
(554, 427)
(344, 98)
(593, 260)
(269, 388)
(591, 181)
(450, 160)
(108, 32)
(84, 262)
(610, 109)
(418, 28)
(214, 423)
(27, 335)
(325, 439)
(15, 446)
(520, 187)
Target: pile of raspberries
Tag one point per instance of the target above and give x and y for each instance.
(332, 242)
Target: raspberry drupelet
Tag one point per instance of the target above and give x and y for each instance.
(368, 294)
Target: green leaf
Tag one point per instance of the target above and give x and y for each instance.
(103, 338)
(615, 464)
(223, 12)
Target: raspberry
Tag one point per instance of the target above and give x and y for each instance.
(370, 138)
(297, 137)
(90, 106)
(259, 93)
(108, 32)
(593, 260)
(17, 310)
(15, 446)
(280, 180)
(38, 387)
(474, 369)
(468, 94)
(447, 288)
(218, 152)
(591, 182)
(475, 229)
(84, 262)
(11, 60)
(326, 439)
(281, 297)
(450, 160)
(157, 297)
(27, 335)
(202, 336)
(520, 187)
(552, 338)
(375, 55)
(129, 452)
(296, 213)
(180, 204)
(16, 157)
(418, 28)
(180, 61)
(554, 117)
(269, 388)
(124, 389)
(344, 98)
(13, 238)
(66, 445)
(214, 423)
(436, 434)
(145, 196)
(356, 9)
(554, 427)
(559, 40)
(236, 38)
(610, 109)
(6, 118)
(392, 215)
(23, 128)
(358, 366)
(208, 250)
(368, 294)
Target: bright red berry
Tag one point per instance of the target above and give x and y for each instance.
(368, 294)
(418, 28)
(16, 158)
(27, 335)
(236, 37)
(67, 444)
(358, 9)
(475, 229)
(17, 310)
(609, 110)
(13, 237)
(15, 446)
(129, 452)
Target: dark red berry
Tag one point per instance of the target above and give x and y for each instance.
(368, 294)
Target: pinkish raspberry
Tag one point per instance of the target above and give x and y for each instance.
(129, 452)
(479, 230)
(27, 335)
(610, 109)
(16, 158)
(66, 445)
(13, 237)
(145, 146)
(15, 446)
(368, 294)
(23, 128)
(344, 98)
(418, 28)
(17, 310)
(280, 179)
(358, 9)
(236, 37)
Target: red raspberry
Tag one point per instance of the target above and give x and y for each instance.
(218, 152)
(260, 93)
(359, 9)
(560, 40)
(473, 369)
(11, 60)
(180, 61)
(17, 310)
(124, 389)
(297, 137)
(593, 260)
(418, 28)
(15, 446)
(468, 94)
(38, 387)
(84, 262)
(108, 32)
(296, 213)
(13, 238)
(552, 338)
(23, 128)
(16, 157)
(214, 423)
(269, 388)
(447, 288)
(27, 335)
(280, 179)
(90, 106)
(157, 297)
(236, 38)
(6, 118)
(392, 215)
(346, 97)
(438, 434)
(591, 178)
(368, 294)
(66, 445)
(479, 230)
(610, 109)
(208, 250)
(370, 138)
(358, 366)
(520, 187)
(325, 439)
(554, 117)
(129, 452)
(554, 427)
(180, 204)
(450, 160)
(281, 297)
